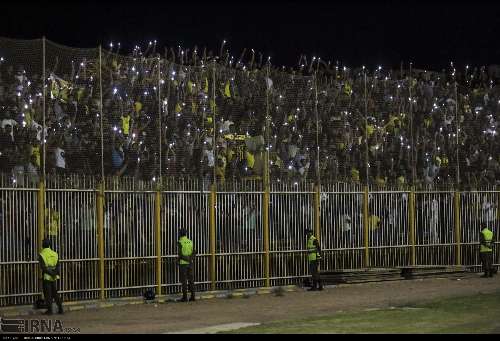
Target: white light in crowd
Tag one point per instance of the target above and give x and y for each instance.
(111, 44)
(162, 81)
(133, 68)
(29, 83)
(18, 94)
(115, 128)
(379, 67)
(1, 59)
(133, 136)
(114, 91)
(81, 64)
(26, 106)
(154, 178)
(150, 43)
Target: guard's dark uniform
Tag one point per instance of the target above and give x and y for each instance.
(313, 257)
(49, 263)
(186, 255)
(486, 252)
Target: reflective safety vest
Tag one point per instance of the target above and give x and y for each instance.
(488, 238)
(312, 251)
(125, 124)
(50, 258)
(186, 249)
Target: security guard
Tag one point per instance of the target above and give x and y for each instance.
(314, 256)
(186, 256)
(49, 263)
(486, 251)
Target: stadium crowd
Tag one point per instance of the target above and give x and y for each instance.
(425, 126)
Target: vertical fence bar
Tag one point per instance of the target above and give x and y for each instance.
(457, 120)
(265, 202)
(214, 142)
(411, 218)
(100, 235)
(158, 240)
(365, 227)
(41, 221)
(44, 151)
(212, 235)
(159, 118)
(367, 163)
(458, 259)
(100, 113)
(265, 225)
(317, 209)
(41, 213)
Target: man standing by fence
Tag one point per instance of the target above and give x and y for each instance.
(486, 251)
(313, 257)
(49, 262)
(186, 256)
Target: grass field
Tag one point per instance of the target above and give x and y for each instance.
(471, 314)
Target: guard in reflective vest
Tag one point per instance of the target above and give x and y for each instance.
(313, 257)
(49, 263)
(486, 251)
(186, 256)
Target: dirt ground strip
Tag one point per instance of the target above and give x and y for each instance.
(175, 317)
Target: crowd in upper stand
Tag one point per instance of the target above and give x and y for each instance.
(159, 114)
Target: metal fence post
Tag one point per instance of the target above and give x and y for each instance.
(365, 227)
(317, 207)
(100, 234)
(458, 259)
(158, 240)
(265, 202)
(212, 236)
(41, 213)
(265, 217)
(411, 218)
(44, 135)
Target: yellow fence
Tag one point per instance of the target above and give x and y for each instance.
(120, 239)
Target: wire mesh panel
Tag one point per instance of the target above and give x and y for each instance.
(291, 213)
(129, 240)
(19, 276)
(388, 229)
(185, 206)
(21, 111)
(435, 228)
(341, 226)
(70, 224)
(478, 210)
(239, 239)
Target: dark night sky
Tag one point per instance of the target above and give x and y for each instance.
(430, 34)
